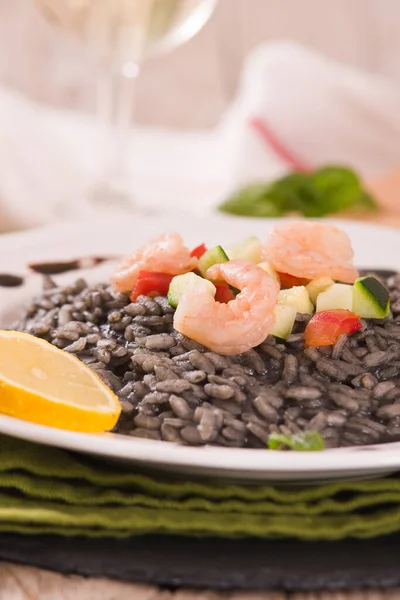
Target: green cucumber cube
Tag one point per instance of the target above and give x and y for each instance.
(189, 282)
(317, 286)
(370, 298)
(297, 297)
(285, 316)
(338, 295)
(250, 249)
(214, 256)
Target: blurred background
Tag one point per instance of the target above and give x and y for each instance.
(201, 76)
(266, 87)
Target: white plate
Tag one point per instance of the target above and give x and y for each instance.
(375, 247)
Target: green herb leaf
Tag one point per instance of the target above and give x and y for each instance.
(367, 201)
(254, 200)
(306, 441)
(328, 190)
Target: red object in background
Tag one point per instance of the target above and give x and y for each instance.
(270, 138)
(224, 293)
(151, 283)
(325, 327)
(198, 251)
(288, 281)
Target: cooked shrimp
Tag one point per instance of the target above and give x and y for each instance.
(166, 254)
(239, 325)
(309, 249)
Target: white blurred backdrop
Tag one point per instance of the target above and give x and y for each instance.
(199, 79)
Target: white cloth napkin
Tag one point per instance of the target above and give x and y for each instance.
(320, 110)
(317, 109)
(34, 166)
(49, 158)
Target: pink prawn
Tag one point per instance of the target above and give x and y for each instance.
(165, 254)
(309, 249)
(239, 325)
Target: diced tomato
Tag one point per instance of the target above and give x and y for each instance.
(326, 326)
(224, 293)
(199, 251)
(288, 281)
(151, 283)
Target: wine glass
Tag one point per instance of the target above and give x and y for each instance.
(120, 35)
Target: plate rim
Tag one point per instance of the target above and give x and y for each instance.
(264, 463)
(212, 457)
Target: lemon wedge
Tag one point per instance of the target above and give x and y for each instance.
(45, 385)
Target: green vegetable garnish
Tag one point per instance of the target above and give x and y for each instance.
(306, 441)
(328, 190)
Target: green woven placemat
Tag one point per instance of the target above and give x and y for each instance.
(46, 490)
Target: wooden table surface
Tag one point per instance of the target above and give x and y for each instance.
(386, 190)
(24, 583)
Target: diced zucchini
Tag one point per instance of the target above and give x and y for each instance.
(285, 316)
(370, 299)
(265, 266)
(214, 256)
(338, 295)
(317, 286)
(297, 297)
(250, 249)
(188, 282)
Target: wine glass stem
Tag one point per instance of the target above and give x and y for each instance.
(115, 107)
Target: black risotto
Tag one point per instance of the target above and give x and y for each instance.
(172, 388)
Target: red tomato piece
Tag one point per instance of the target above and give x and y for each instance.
(199, 251)
(224, 293)
(151, 283)
(326, 326)
(288, 281)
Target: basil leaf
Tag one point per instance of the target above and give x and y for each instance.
(306, 441)
(328, 190)
(367, 201)
(339, 188)
(255, 200)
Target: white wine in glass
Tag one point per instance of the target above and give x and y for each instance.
(120, 35)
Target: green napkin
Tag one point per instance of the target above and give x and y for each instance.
(45, 490)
